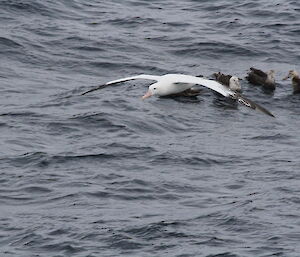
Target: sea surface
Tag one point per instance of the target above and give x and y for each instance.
(107, 174)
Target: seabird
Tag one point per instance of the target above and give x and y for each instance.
(171, 84)
(228, 80)
(258, 77)
(295, 80)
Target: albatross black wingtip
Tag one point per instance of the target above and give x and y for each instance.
(249, 103)
(266, 112)
(86, 92)
(94, 89)
(262, 109)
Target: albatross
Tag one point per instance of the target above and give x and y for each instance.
(171, 84)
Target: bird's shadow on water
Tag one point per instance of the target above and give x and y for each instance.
(225, 103)
(216, 100)
(182, 99)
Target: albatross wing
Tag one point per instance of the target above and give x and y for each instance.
(249, 103)
(142, 76)
(216, 86)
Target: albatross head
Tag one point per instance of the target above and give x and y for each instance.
(234, 84)
(154, 89)
(292, 74)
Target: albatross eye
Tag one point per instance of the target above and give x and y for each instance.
(154, 88)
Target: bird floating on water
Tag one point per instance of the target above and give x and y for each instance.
(294, 75)
(170, 84)
(230, 81)
(265, 79)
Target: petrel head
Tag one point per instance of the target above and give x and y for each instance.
(292, 74)
(234, 83)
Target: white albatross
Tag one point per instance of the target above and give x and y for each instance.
(171, 84)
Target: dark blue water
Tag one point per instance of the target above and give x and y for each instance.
(107, 174)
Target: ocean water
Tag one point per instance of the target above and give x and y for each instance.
(107, 174)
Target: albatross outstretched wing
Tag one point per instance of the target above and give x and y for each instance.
(142, 76)
(216, 86)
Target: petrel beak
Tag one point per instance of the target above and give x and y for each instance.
(285, 78)
(148, 94)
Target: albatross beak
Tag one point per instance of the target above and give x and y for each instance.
(148, 94)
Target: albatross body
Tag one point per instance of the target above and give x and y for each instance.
(170, 84)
